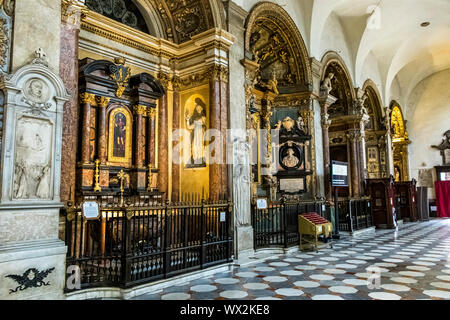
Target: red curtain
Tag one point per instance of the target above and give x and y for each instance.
(443, 198)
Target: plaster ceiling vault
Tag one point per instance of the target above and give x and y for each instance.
(397, 56)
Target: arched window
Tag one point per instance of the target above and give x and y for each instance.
(122, 11)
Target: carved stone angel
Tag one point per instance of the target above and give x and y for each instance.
(360, 108)
(326, 87)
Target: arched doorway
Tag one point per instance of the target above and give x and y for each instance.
(400, 141)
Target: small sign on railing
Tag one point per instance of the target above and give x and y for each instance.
(261, 203)
(223, 216)
(90, 210)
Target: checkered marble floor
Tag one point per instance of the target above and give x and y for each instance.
(414, 263)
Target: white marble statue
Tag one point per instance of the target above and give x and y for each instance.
(241, 183)
(326, 86)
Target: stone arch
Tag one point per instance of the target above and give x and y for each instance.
(342, 84)
(373, 105)
(286, 43)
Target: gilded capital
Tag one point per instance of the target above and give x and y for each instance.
(88, 98)
(164, 79)
(102, 102)
(140, 110)
(151, 113)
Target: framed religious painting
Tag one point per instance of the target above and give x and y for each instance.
(119, 136)
(196, 124)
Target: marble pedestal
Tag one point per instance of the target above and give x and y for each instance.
(244, 242)
(32, 258)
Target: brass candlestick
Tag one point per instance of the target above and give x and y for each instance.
(150, 178)
(97, 187)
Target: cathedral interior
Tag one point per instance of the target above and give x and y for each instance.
(143, 140)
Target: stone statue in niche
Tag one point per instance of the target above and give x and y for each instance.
(360, 107)
(32, 169)
(326, 87)
(241, 182)
(196, 124)
(290, 160)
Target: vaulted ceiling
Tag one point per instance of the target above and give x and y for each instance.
(378, 39)
(174, 20)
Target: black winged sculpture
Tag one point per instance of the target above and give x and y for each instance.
(32, 278)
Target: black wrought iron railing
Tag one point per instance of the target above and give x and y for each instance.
(354, 215)
(137, 243)
(277, 226)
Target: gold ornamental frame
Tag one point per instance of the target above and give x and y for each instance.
(128, 143)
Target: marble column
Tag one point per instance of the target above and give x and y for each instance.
(68, 71)
(176, 125)
(163, 140)
(102, 104)
(325, 103)
(139, 112)
(362, 154)
(215, 170)
(388, 139)
(151, 135)
(353, 135)
(224, 91)
(87, 100)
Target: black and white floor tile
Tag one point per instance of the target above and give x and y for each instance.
(412, 263)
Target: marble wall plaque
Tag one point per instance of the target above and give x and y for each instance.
(292, 185)
(33, 159)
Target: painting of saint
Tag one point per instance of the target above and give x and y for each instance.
(120, 131)
(196, 124)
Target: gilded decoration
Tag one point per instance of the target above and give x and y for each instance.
(151, 113)
(183, 19)
(140, 110)
(397, 124)
(276, 44)
(88, 98)
(400, 141)
(121, 75)
(337, 84)
(6, 23)
(119, 141)
(102, 102)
